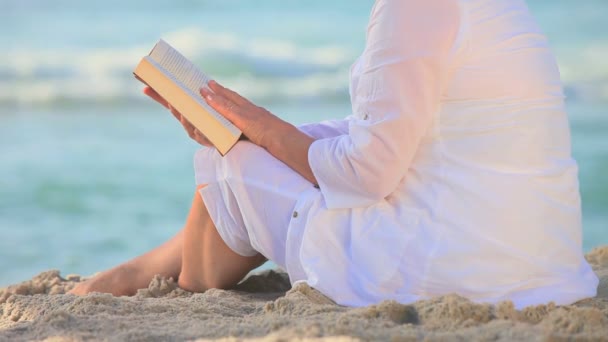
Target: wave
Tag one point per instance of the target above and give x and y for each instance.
(262, 69)
(259, 68)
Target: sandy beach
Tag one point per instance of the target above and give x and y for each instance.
(263, 307)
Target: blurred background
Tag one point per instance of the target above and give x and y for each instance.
(93, 173)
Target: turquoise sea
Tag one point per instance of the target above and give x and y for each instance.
(93, 173)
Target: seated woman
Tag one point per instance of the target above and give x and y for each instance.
(453, 175)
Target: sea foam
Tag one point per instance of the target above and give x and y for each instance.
(261, 69)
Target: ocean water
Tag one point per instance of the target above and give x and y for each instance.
(93, 173)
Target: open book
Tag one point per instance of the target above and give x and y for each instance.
(179, 81)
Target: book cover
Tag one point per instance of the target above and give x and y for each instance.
(179, 81)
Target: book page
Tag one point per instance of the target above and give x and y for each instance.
(181, 70)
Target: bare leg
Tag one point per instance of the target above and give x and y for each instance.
(202, 248)
(207, 262)
(127, 278)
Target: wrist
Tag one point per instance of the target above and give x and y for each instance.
(290, 145)
(276, 134)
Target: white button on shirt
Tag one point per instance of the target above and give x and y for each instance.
(453, 174)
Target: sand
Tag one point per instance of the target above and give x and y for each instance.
(263, 307)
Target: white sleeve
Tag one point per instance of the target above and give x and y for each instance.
(404, 68)
(325, 129)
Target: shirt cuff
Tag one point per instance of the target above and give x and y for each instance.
(338, 191)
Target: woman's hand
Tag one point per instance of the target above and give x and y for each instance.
(281, 139)
(256, 123)
(284, 141)
(191, 130)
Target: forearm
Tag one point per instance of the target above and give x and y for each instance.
(290, 145)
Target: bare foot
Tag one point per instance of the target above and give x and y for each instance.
(117, 281)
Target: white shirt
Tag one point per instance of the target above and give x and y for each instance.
(454, 174)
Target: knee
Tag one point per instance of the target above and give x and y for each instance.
(206, 164)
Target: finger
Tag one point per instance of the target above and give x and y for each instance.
(188, 127)
(175, 113)
(229, 94)
(201, 139)
(225, 107)
(220, 103)
(155, 96)
(192, 132)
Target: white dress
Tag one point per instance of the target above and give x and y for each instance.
(453, 175)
